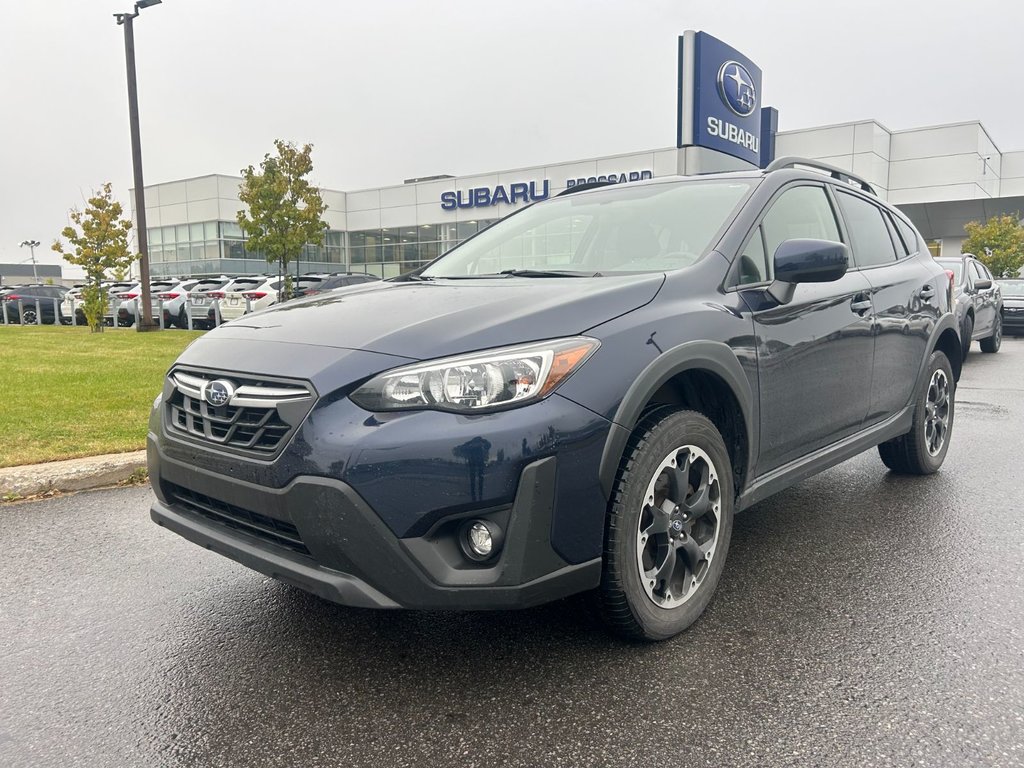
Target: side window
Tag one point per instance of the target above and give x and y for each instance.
(976, 273)
(897, 239)
(800, 212)
(753, 266)
(909, 236)
(869, 234)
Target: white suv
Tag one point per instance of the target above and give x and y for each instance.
(260, 291)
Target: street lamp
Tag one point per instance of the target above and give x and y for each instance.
(144, 322)
(32, 249)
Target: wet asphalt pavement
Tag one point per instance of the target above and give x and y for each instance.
(863, 619)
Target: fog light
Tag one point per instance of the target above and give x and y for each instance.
(480, 539)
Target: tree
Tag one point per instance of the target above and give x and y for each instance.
(999, 243)
(99, 242)
(284, 208)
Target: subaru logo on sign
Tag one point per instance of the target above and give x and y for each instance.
(219, 392)
(736, 87)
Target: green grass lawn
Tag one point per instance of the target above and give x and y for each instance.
(66, 393)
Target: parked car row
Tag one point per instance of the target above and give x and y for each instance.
(252, 293)
(196, 302)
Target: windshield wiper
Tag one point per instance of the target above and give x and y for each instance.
(507, 273)
(546, 273)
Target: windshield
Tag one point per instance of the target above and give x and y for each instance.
(650, 228)
(1012, 287)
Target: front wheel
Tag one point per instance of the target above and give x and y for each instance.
(993, 342)
(668, 528)
(922, 450)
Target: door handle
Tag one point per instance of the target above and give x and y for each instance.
(860, 304)
(926, 293)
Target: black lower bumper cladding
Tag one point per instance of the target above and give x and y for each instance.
(318, 534)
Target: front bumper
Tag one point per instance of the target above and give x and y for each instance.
(1013, 322)
(318, 534)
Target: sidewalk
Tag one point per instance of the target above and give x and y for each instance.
(70, 475)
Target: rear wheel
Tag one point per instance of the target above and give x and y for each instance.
(29, 317)
(668, 528)
(965, 337)
(993, 342)
(922, 450)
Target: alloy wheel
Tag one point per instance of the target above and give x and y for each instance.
(677, 532)
(28, 317)
(936, 419)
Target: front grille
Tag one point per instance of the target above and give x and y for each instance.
(255, 416)
(267, 528)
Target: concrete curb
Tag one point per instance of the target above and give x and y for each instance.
(70, 475)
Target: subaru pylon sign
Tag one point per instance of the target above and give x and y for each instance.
(719, 98)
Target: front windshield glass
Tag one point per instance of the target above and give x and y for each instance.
(650, 228)
(1012, 287)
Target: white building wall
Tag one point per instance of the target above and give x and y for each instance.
(420, 203)
(1012, 173)
(862, 148)
(946, 162)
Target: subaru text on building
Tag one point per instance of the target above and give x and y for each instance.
(577, 398)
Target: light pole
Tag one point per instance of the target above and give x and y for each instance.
(144, 322)
(31, 249)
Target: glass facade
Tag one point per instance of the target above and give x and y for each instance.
(396, 250)
(219, 247)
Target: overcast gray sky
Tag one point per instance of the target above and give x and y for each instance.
(388, 90)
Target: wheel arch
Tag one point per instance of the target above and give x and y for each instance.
(945, 338)
(703, 376)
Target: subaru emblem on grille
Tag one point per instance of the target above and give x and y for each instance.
(219, 392)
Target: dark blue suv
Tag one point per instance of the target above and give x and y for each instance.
(578, 398)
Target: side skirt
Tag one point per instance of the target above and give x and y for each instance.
(804, 467)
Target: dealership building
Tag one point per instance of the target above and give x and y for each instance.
(941, 176)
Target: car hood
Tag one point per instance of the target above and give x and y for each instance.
(423, 320)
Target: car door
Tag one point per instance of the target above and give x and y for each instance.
(996, 294)
(984, 303)
(814, 354)
(905, 297)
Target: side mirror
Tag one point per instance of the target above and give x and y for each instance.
(982, 285)
(806, 261)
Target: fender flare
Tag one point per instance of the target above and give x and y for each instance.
(945, 323)
(711, 356)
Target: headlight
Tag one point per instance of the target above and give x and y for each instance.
(478, 381)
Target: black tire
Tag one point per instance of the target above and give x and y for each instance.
(922, 450)
(965, 336)
(29, 317)
(630, 605)
(992, 343)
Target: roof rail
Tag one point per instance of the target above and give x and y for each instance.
(836, 173)
(584, 187)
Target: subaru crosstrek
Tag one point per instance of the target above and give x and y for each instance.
(578, 398)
